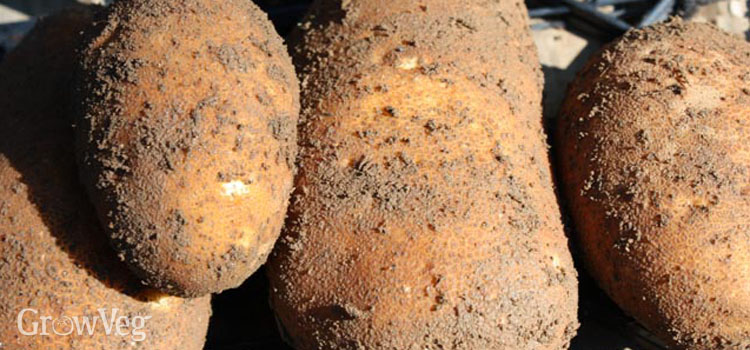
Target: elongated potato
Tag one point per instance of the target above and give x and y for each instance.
(188, 113)
(654, 153)
(55, 260)
(424, 215)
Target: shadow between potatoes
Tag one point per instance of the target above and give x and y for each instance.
(242, 318)
(604, 326)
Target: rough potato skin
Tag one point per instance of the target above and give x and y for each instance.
(423, 215)
(54, 257)
(188, 112)
(654, 157)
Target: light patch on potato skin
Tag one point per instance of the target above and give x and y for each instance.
(408, 63)
(248, 237)
(235, 188)
(54, 257)
(187, 114)
(652, 152)
(423, 215)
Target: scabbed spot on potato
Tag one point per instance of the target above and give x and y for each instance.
(652, 151)
(423, 215)
(187, 114)
(55, 261)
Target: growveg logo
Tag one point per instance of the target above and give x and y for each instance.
(109, 322)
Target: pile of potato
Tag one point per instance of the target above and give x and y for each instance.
(155, 152)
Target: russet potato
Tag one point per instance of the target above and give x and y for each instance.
(187, 113)
(423, 215)
(653, 150)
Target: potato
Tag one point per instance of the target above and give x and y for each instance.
(55, 260)
(424, 215)
(188, 113)
(654, 155)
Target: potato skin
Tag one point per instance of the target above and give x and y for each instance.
(54, 257)
(423, 215)
(653, 151)
(188, 112)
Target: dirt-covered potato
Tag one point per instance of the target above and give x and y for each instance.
(55, 260)
(423, 215)
(654, 157)
(187, 112)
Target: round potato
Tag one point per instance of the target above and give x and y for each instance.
(57, 270)
(654, 156)
(187, 115)
(424, 215)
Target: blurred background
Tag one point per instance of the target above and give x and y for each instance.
(566, 32)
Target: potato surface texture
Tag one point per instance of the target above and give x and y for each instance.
(188, 112)
(55, 259)
(654, 156)
(423, 215)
